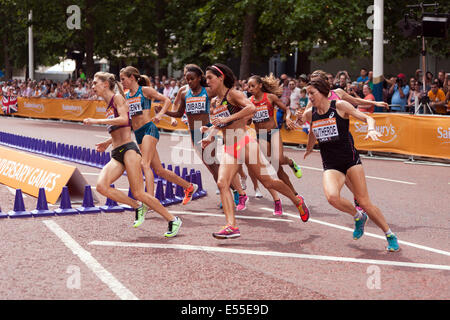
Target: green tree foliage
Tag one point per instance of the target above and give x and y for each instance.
(203, 31)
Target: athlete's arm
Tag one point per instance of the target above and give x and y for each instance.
(344, 107)
(239, 99)
(277, 102)
(151, 93)
(307, 116)
(122, 110)
(358, 101)
(179, 111)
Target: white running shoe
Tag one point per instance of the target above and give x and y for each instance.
(258, 194)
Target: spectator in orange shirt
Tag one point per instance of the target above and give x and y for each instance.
(437, 98)
(367, 96)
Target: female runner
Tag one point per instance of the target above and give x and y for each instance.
(124, 156)
(194, 100)
(336, 94)
(330, 126)
(147, 134)
(265, 92)
(230, 110)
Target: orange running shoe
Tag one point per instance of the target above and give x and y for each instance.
(303, 209)
(189, 192)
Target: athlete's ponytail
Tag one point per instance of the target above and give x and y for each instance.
(120, 88)
(133, 72)
(270, 84)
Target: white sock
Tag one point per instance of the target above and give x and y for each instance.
(388, 233)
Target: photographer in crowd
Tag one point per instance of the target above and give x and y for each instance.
(399, 91)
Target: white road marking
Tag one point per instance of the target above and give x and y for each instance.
(90, 173)
(418, 246)
(369, 177)
(270, 253)
(222, 216)
(85, 256)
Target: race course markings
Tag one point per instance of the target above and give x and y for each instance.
(418, 246)
(369, 177)
(269, 254)
(85, 256)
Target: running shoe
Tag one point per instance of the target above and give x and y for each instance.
(278, 209)
(392, 243)
(258, 194)
(140, 215)
(174, 227)
(242, 203)
(236, 197)
(303, 209)
(296, 169)
(189, 192)
(227, 232)
(359, 225)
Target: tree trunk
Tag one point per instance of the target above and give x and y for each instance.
(161, 48)
(303, 63)
(6, 60)
(247, 43)
(89, 36)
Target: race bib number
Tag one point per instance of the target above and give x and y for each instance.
(196, 105)
(325, 130)
(261, 114)
(135, 106)
(221, 112)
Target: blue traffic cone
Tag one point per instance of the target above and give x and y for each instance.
(179, 193)
(177, 170)
(184, 173)
(200, 190)
(19, 207)
(194, 178)
(65, 208)
(170, 197)
(127, 207)
(111, 205)
(88, 202)
(42, 206)
(159, 194)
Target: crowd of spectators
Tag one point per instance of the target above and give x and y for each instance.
(401, 94)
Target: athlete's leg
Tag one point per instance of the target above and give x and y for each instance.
(133, 166)
(112, 171)
(279, 158)
(358, 180)
(148, 149)
(259, 170)
(333, 181)
(227, 172)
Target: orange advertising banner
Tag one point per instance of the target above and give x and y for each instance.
(20, 170)
(75, 110)
(421, 135)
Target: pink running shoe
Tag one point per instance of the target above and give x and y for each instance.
(242, 203)
(227, 232)
(278, 209)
